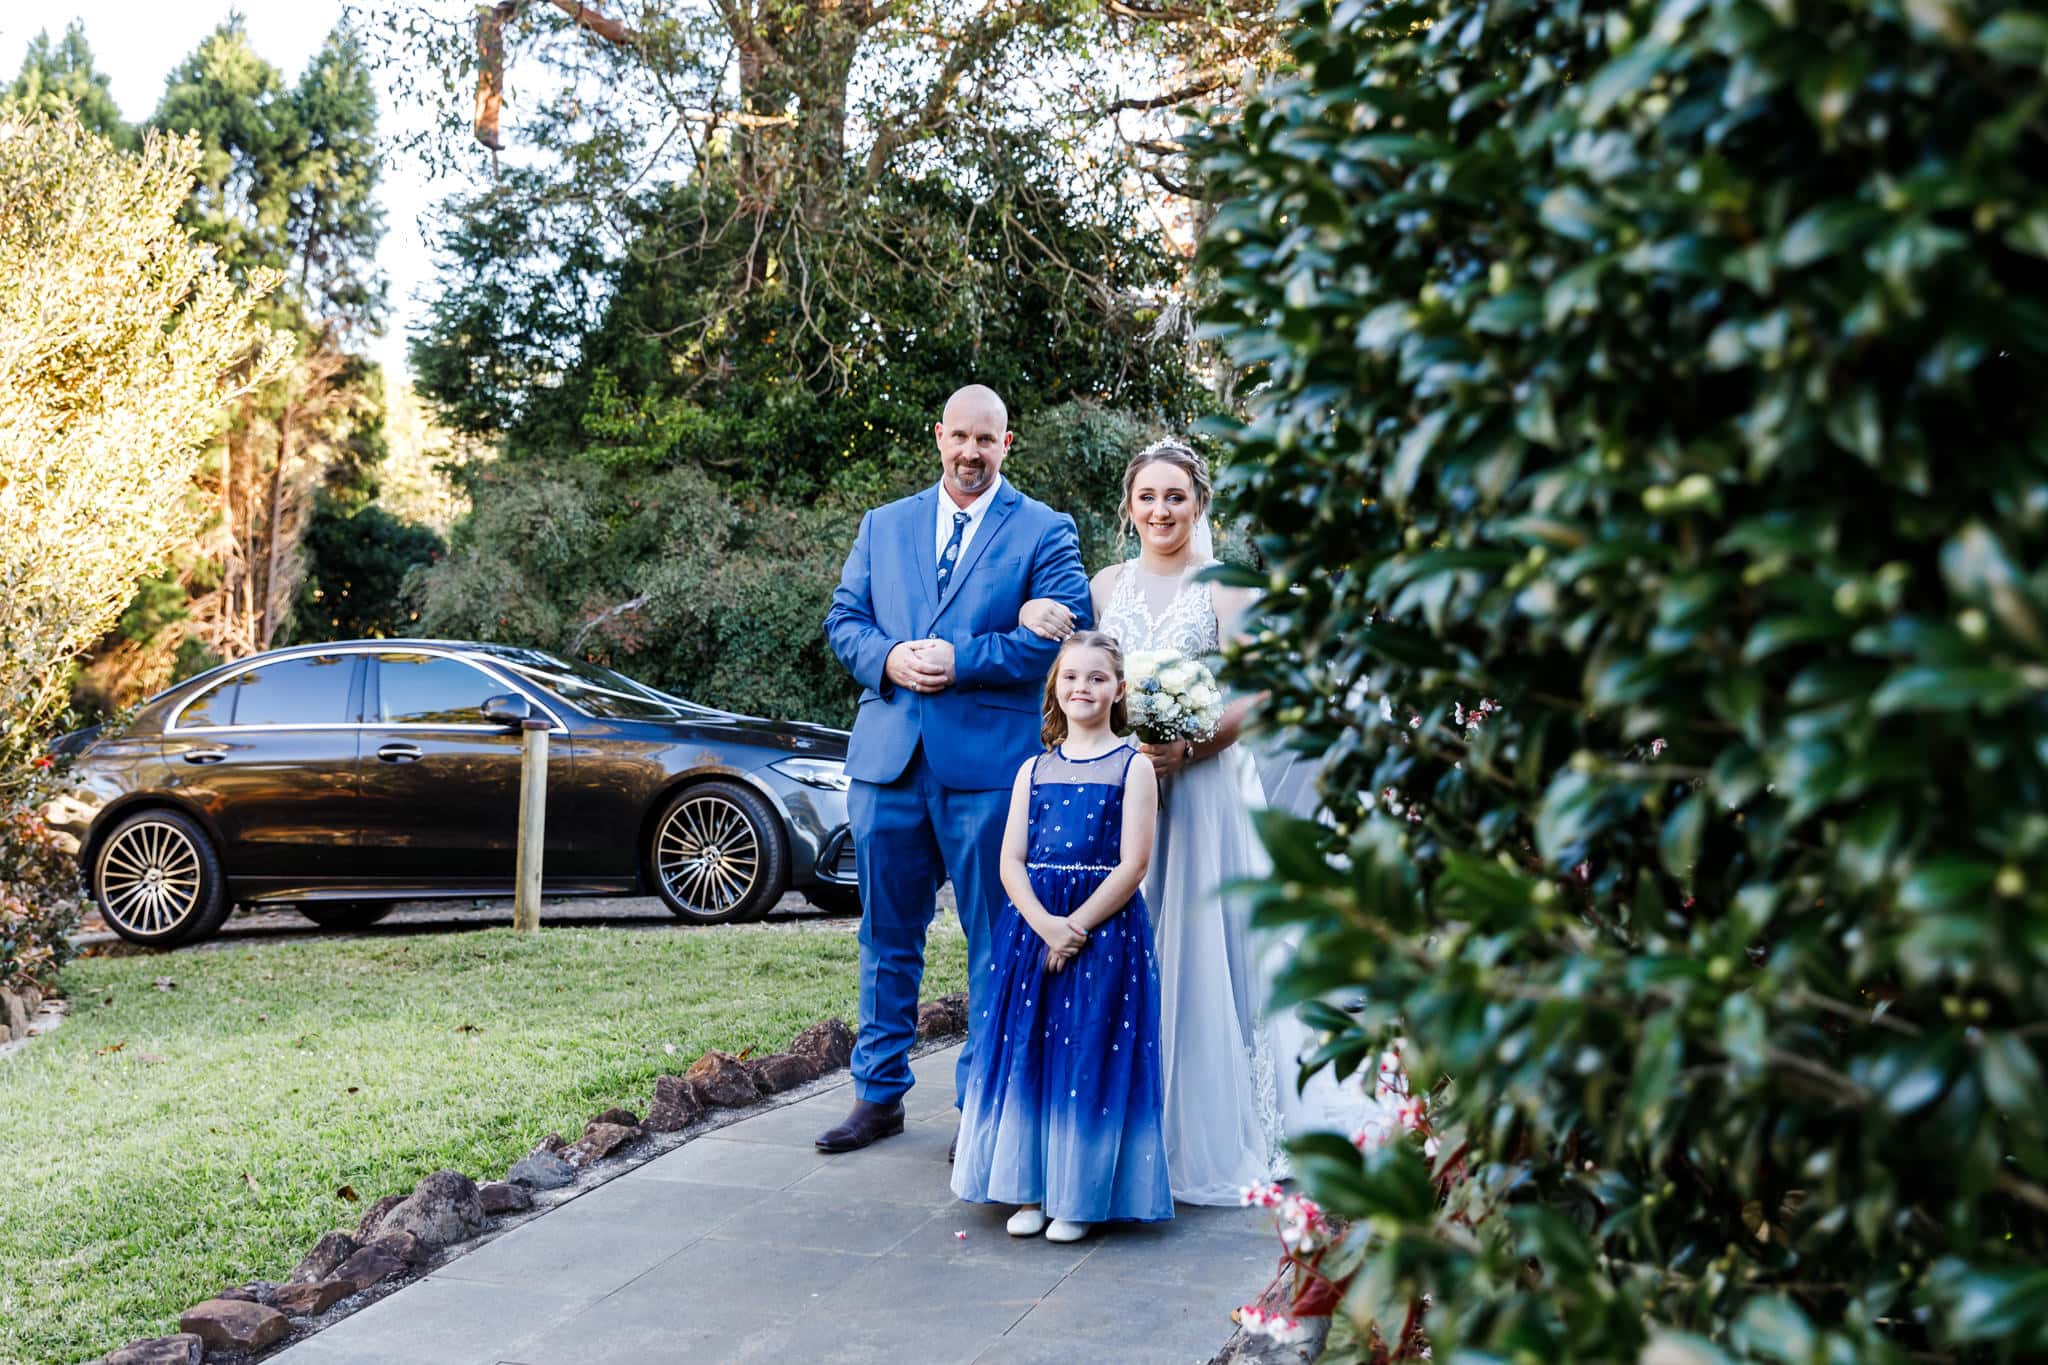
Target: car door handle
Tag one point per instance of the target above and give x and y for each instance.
(205, 756)
(399, 753)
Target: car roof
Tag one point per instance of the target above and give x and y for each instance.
(509, 653)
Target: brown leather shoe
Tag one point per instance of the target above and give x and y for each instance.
(869, 1122)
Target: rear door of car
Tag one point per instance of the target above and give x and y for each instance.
(440, 784)
(269, 754)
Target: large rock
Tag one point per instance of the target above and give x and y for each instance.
(182, 1349)
(722, 1081)
(502, 1196)
(330, 1251)
(828, 1043)
(234, 1324)
(372, 1216)
(541, 1171)
(311, 1300)
(407, 1247)
(600, 1140)
(553, 1142)
(441, 1209)
(676, 1105)
(14, 1015)
(366, 1267)
(780, 1071)
(943, 1017)
(625, 1118)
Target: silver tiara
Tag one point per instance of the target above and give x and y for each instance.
(1178, 447)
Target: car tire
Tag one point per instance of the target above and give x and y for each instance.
(158, 881)
(346, 915)
(717, 854)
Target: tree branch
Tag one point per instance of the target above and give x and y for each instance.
(607, 614)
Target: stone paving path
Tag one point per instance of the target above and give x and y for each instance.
(748, 1245)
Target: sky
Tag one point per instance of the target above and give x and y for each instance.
(137, 42)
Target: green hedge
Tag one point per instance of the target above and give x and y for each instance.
(1670, 374)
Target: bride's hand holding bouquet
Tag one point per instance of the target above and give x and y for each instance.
(1174, 705)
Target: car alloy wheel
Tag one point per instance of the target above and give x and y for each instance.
(718, 854)
(158, 881)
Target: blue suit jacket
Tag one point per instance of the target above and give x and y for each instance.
(977, 732)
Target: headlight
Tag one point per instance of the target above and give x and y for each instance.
(828, 773)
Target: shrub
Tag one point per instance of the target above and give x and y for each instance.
(1669, 375)
(39, 900)
(119, 333)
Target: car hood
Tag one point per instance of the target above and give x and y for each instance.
(792, 736)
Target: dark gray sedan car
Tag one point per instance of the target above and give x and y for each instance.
(342, 778)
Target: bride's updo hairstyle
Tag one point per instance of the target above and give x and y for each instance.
(1182, 457)
(1054, 729)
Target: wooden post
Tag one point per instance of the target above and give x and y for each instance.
(533, 822)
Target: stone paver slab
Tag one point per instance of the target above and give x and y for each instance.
(725, 1161)
(898, 1174)
(1124, 1314)
(691, 1206)
(751, 1280)
(1021, 1346)
(987, 1241)
(443, 1321)
(829, 1222)
(587, 1259)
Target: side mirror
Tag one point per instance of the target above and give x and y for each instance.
(509, 711)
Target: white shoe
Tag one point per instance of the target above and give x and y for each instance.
(1063, 1231)
(1026, 1222)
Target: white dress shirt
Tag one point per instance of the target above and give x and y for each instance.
(976, 511)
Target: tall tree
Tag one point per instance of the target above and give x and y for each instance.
(806, 111)
(62, 72)
(287, 183)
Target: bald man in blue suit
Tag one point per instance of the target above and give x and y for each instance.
(925, 619)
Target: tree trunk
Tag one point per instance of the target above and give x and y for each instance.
(791, 141)
(268, 622)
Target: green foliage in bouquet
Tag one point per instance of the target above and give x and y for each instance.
(1671, 377)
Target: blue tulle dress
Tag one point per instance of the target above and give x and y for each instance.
(1064, 1100)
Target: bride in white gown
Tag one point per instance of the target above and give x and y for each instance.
(1228, 1104)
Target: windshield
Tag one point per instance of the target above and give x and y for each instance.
(593, 688)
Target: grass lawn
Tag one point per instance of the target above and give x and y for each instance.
(165, 1143)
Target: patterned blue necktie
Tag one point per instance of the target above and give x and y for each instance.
(951, 554)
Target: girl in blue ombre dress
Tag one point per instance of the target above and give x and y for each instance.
(1062, 1111)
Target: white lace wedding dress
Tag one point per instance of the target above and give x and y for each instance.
(1226, 1108)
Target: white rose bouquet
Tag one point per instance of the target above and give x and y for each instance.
(1171, 697)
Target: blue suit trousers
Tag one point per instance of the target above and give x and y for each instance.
(912, 834)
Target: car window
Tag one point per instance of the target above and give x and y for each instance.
(425, 689)
(310, 690)
(214, 706)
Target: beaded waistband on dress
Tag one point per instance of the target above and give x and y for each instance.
(1073, 867)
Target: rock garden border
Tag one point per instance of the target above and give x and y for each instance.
(402, 1236)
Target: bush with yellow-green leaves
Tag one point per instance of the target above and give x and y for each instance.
(120, 341)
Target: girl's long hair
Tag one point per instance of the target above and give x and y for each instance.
(1054, 730)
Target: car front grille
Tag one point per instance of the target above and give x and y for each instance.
(845, 866)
